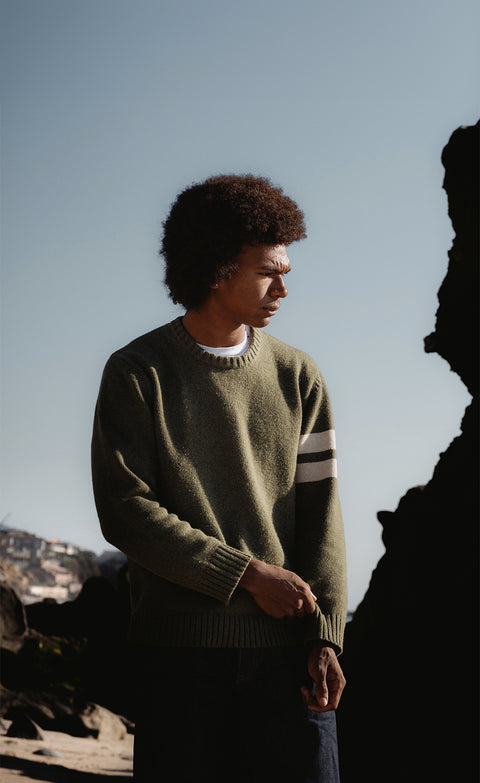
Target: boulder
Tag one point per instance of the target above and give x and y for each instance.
(23, 727)
(102, 724)
(47, 710)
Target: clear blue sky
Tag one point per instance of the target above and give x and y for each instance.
(110, 107)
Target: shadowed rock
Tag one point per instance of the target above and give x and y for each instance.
(456, 335)
(13, 624)
(23, 727)
(69, 669)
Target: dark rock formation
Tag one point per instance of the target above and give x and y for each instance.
(456, 335)
(13, 623)
(24, 727)
(65, 668)
(410, 709)
(98, 620)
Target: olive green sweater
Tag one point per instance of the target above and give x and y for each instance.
(201, 462)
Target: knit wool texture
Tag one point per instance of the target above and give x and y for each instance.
(201, 462)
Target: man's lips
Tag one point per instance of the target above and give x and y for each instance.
(271, 309)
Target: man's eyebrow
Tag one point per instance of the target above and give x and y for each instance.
(274, 268)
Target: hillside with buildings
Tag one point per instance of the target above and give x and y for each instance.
(39, 568)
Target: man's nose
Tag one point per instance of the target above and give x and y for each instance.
(278, 288)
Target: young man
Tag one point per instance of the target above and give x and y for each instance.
(214, 470)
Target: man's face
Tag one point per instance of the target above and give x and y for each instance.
(252, 294)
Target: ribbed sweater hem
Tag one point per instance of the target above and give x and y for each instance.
(211, 629)
(215, 630)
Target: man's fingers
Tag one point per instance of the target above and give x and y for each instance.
(325, 671)
(304, 605)
(321, 692)
(309, 602)
(321, 687)
(335, 690)
(279, 592)
(311, 701)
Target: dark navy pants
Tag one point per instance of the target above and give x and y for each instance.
(229, 716)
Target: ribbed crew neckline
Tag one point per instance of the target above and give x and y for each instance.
(230, 362)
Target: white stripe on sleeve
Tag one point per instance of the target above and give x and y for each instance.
(317, 441)
(316, 471)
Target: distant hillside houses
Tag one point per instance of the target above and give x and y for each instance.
(45, 567)
(24, 548)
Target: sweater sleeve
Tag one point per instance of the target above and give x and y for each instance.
(128, 496)
(319, 543)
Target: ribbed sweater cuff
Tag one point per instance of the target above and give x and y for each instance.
(223, 573)
(330, 628)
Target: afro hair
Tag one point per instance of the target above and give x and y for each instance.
(210, 223)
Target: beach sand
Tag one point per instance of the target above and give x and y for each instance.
(75, 759)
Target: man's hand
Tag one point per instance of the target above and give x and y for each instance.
(325, 671)
(280, 593)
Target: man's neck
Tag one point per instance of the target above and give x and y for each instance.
(210, 331)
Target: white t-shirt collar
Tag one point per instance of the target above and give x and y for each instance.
(230, 350)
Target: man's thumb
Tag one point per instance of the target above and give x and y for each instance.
(321, 693)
